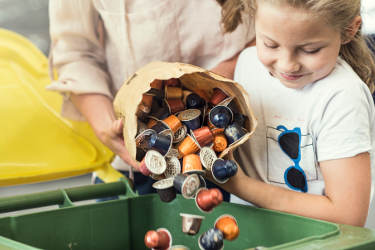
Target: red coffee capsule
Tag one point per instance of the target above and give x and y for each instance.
(218, 96)
(159, 239)
(203, 136)
(207, 199)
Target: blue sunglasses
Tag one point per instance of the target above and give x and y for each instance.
(290, 142)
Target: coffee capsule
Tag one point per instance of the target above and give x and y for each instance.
(191, 118)
(203, 136)
(161, 112)
(191, 164)
(173, 92)
(220, 143)
(220, 116)
(173, 167)
(207, 199)
(234, 133)
(213, 239)
(153, 163)
(227, 224)
(165, 189)
(160, 239)
(187, 185)
(173, 123)
(172, 82)
(142, 140)
(175, 105)
(157, 84)
(191, 223)
(161, 143)
(180, 134)
(218, 96)
(188, 146)
(207, 156)
(180, 247)
(194, 101)
(222, 170)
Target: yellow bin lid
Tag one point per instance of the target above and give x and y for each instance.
(36, 143)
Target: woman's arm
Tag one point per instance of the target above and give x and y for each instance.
(98, 111)
(346, 199)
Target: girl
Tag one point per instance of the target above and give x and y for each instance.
(309, 79)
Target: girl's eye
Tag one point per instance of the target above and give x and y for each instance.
(311, 51)
(271, 46)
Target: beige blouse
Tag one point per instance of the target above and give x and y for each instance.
(136, 32)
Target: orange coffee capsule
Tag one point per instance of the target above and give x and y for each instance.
(227, 224)
(191, 163)
(220, 142)
(188, 146)
(217, 96)
(173, 122)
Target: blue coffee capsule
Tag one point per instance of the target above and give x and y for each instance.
(220, 116)
(234, 132)
(219, 170)
(231, 168)
(194, 101)
(239, 119)
(161, 143)
(211, 240)
(191, 118)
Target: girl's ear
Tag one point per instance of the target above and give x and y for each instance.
(352, 30)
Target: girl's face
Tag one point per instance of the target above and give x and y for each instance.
(295, 46)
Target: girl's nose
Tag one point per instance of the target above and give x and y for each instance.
(288, 64)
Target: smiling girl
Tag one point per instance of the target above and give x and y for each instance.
(310, 79)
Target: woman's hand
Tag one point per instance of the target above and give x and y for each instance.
(98, 111)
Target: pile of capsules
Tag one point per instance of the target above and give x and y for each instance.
(225, 227)
(180, 134)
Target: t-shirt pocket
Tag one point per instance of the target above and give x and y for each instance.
(291, 158)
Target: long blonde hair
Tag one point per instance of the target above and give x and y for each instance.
(338, 13)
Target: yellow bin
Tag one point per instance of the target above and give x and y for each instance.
(36, 143)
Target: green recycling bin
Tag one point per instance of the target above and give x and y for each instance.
(123, 223)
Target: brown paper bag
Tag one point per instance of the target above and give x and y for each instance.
(191, 77)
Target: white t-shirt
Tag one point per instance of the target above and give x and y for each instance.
(298, 128)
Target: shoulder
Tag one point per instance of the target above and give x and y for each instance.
(343, 81)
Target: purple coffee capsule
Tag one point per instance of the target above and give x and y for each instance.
(191, 118)
(161, 143)
(160, 126)
(220, 116)
(211, 240)
(194, 101)
(234, 132)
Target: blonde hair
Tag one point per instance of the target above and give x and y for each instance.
(338, 13)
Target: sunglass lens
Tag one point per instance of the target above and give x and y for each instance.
(289, 142)
(296, 179)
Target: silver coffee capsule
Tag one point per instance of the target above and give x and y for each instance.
(191, 223)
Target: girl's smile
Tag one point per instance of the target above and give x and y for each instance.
(296, 46)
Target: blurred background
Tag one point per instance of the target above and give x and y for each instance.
(30, 19)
